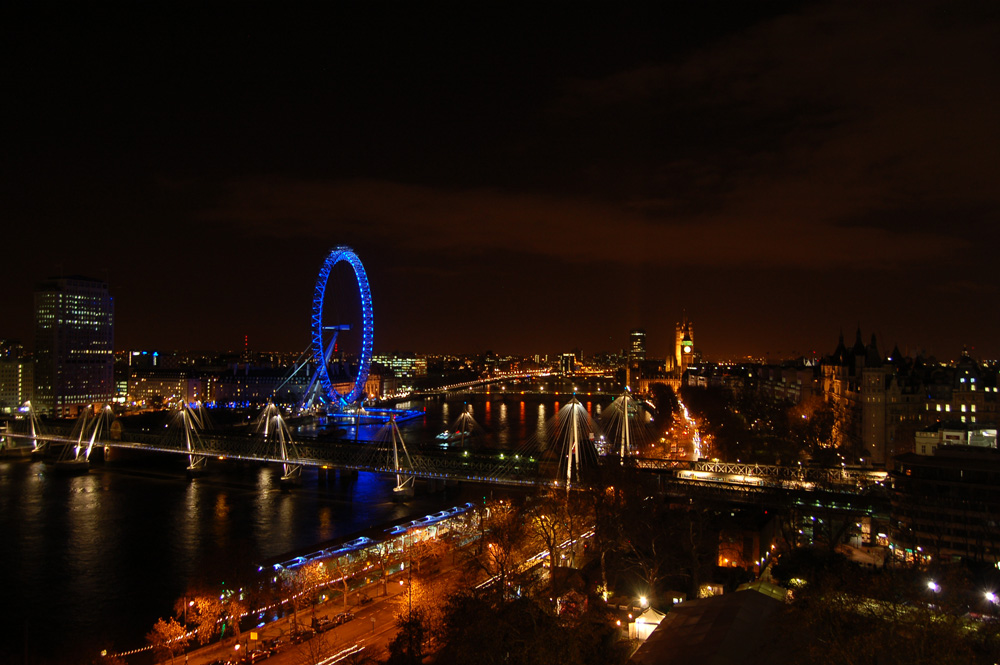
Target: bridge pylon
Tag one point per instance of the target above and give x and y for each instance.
(272, 426)
(192, 424)
(28, 445)
(464, 427)
(575, 436)
(89, 427)
(404, 484)
(627, 426)
(623, 407)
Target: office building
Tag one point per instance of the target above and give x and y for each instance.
(567, 363)
(17, 373)
(637, 345)
(74, 345)
(945, 506)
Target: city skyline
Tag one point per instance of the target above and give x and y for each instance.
(524, 183)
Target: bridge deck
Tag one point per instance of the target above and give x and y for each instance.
(740, 482)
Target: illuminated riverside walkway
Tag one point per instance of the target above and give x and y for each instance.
(372, 596)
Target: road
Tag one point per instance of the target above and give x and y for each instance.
(370, 632)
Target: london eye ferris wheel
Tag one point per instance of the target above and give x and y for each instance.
(341, 330)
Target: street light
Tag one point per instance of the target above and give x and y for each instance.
(933, 586)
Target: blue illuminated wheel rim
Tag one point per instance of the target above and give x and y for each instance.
(347, 255)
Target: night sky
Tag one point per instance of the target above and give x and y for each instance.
(517, 179)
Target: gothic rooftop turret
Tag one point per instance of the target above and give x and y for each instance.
(840, 354)
(872, 357)
(897, 358)
(859, 349)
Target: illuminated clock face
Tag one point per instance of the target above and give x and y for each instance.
(687, 349)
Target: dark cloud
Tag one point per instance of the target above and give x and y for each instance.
(780, 169)
(858, 112)
(760, 230)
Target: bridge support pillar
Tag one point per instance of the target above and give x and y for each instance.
(292, 476)
(197, 467)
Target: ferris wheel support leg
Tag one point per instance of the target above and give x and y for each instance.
(311, 389)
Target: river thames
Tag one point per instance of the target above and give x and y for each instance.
(90, 562)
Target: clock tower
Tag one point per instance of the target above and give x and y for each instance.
(684, 345)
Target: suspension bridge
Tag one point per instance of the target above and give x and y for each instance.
(563, 455)
(499, 377)
(267, 440)
(569, 454)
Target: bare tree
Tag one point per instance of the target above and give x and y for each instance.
(889, 616)
(302, 587)
(607, 507)
(317, 647)
(233, 609)
(547, 521)
(314, 577)
(426, 552)
(293, 586)
(694, 530)
(168, 638)
(647, 543)
(207, 613)
(648, 557)
(500, 552)
(579, 519)
(381, 556)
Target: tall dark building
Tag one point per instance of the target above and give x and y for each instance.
(16, 376)
(567, 363)
(637, 344)
(74, 345)
(945, 507)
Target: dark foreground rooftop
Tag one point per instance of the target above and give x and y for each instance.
(737, 628)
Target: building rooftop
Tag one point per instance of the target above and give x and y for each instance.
(722, 630)
(955, 457)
